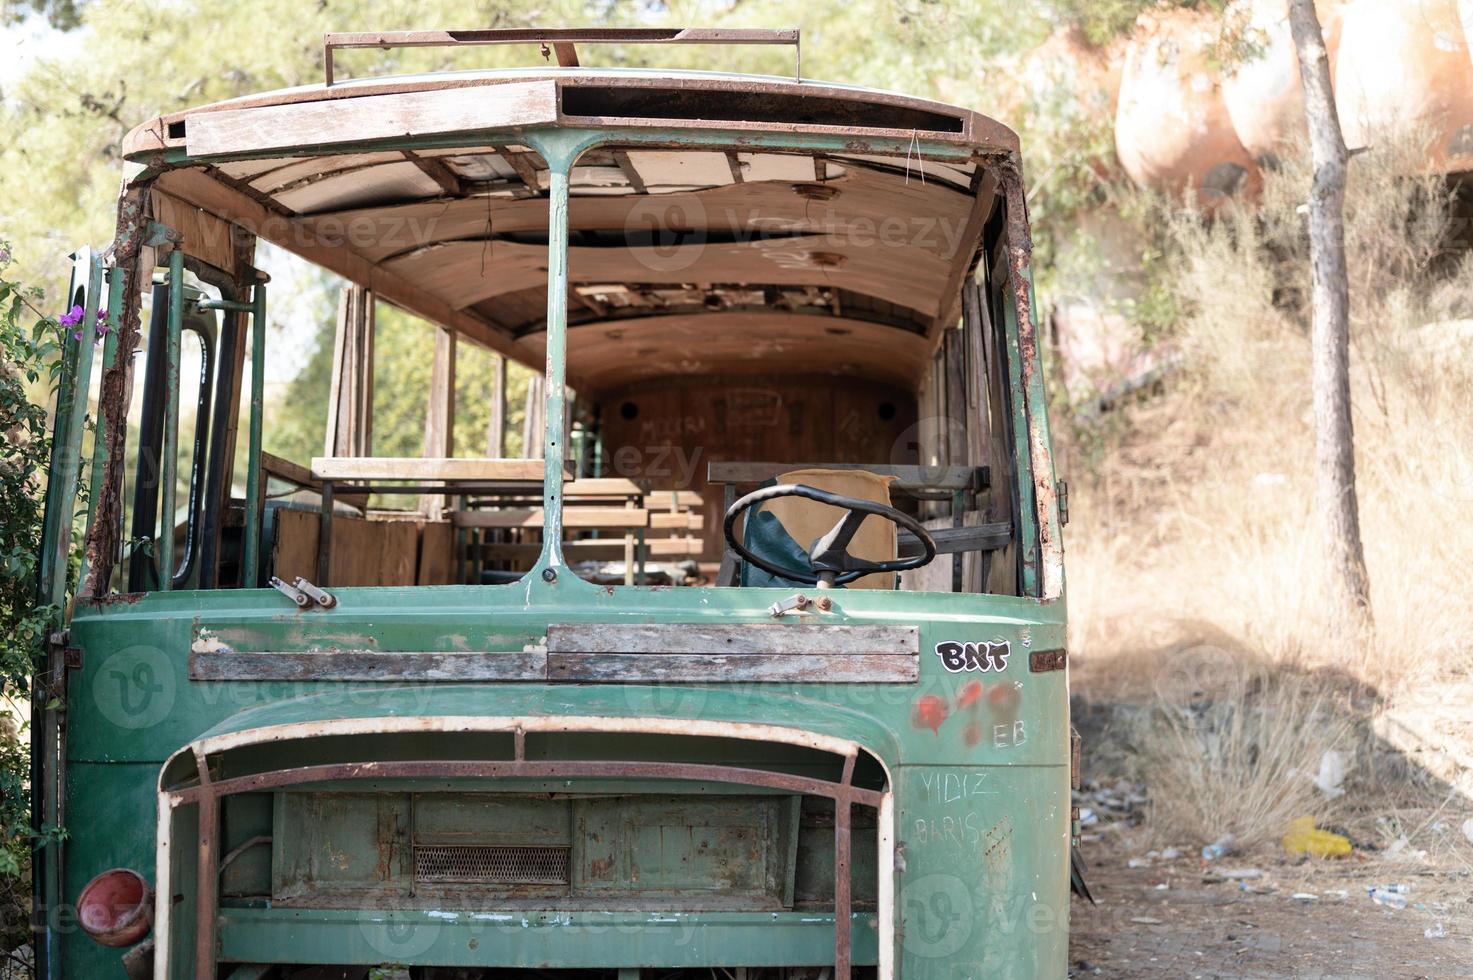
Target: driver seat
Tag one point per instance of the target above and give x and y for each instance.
(807, 520)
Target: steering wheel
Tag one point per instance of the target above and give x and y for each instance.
(828, 557)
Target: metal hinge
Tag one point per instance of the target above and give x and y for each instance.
(799, 603)
(59, 642)
(1063, 502)
(304, 593)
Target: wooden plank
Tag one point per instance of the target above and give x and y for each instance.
(691, 639)
(677, 522)
(734, 668)
(436, 554)
(611, 549)
(414, 468)
(286, 470)
(364, 552)
(602, 518)
(439, 440)
(356, 120)
(294, 544)
(973, 536)
(204, 236)
(366, 665)
(906, 477)
(605, 486)
(671, 500)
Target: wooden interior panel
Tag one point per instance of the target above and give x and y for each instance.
(436, 554)
(469, 272)
(609, 355)
(364, 552)
(863, 201)
(666, 432)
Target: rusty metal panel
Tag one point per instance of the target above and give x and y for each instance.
(479, 818)
(340, 844)
(1043, 661)
(732, 851)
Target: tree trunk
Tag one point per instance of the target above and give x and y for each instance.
(1334, 436)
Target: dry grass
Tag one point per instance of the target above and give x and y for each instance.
(1251, 753)
(1194, 551)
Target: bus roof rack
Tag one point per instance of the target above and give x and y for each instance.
(562, 41)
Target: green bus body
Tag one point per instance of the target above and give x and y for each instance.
(686, 823)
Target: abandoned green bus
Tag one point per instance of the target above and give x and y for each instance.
(752, 658)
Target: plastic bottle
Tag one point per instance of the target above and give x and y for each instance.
(1388, 898)
(1218, 848)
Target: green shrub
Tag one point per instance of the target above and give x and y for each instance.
(29, 365)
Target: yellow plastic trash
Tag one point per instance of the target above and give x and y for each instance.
(1302, 837)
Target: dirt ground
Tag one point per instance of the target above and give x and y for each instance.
(1203, 924)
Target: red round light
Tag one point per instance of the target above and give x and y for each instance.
(116, 907)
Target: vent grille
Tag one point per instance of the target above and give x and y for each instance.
(476, 864)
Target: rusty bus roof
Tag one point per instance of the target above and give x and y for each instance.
(426, 188)
(811, 106)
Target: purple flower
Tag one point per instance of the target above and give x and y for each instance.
(71, 318)
(4, 256)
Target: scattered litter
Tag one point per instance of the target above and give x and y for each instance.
(1331, 774)
(1164, 886)
(1468, 829)
(1170, 854)
(1305, 897)
(1138, 863)
(1339, 894)
(1116, 806)
(1398, 888)
(1145, 920)
(1435, 931)
(1303, 838)
(1224, 845)
(1241, 874)
(1401, 850)
(1390, 899)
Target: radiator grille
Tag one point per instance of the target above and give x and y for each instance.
(491, 864)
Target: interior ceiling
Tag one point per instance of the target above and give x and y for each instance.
(680, 261)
